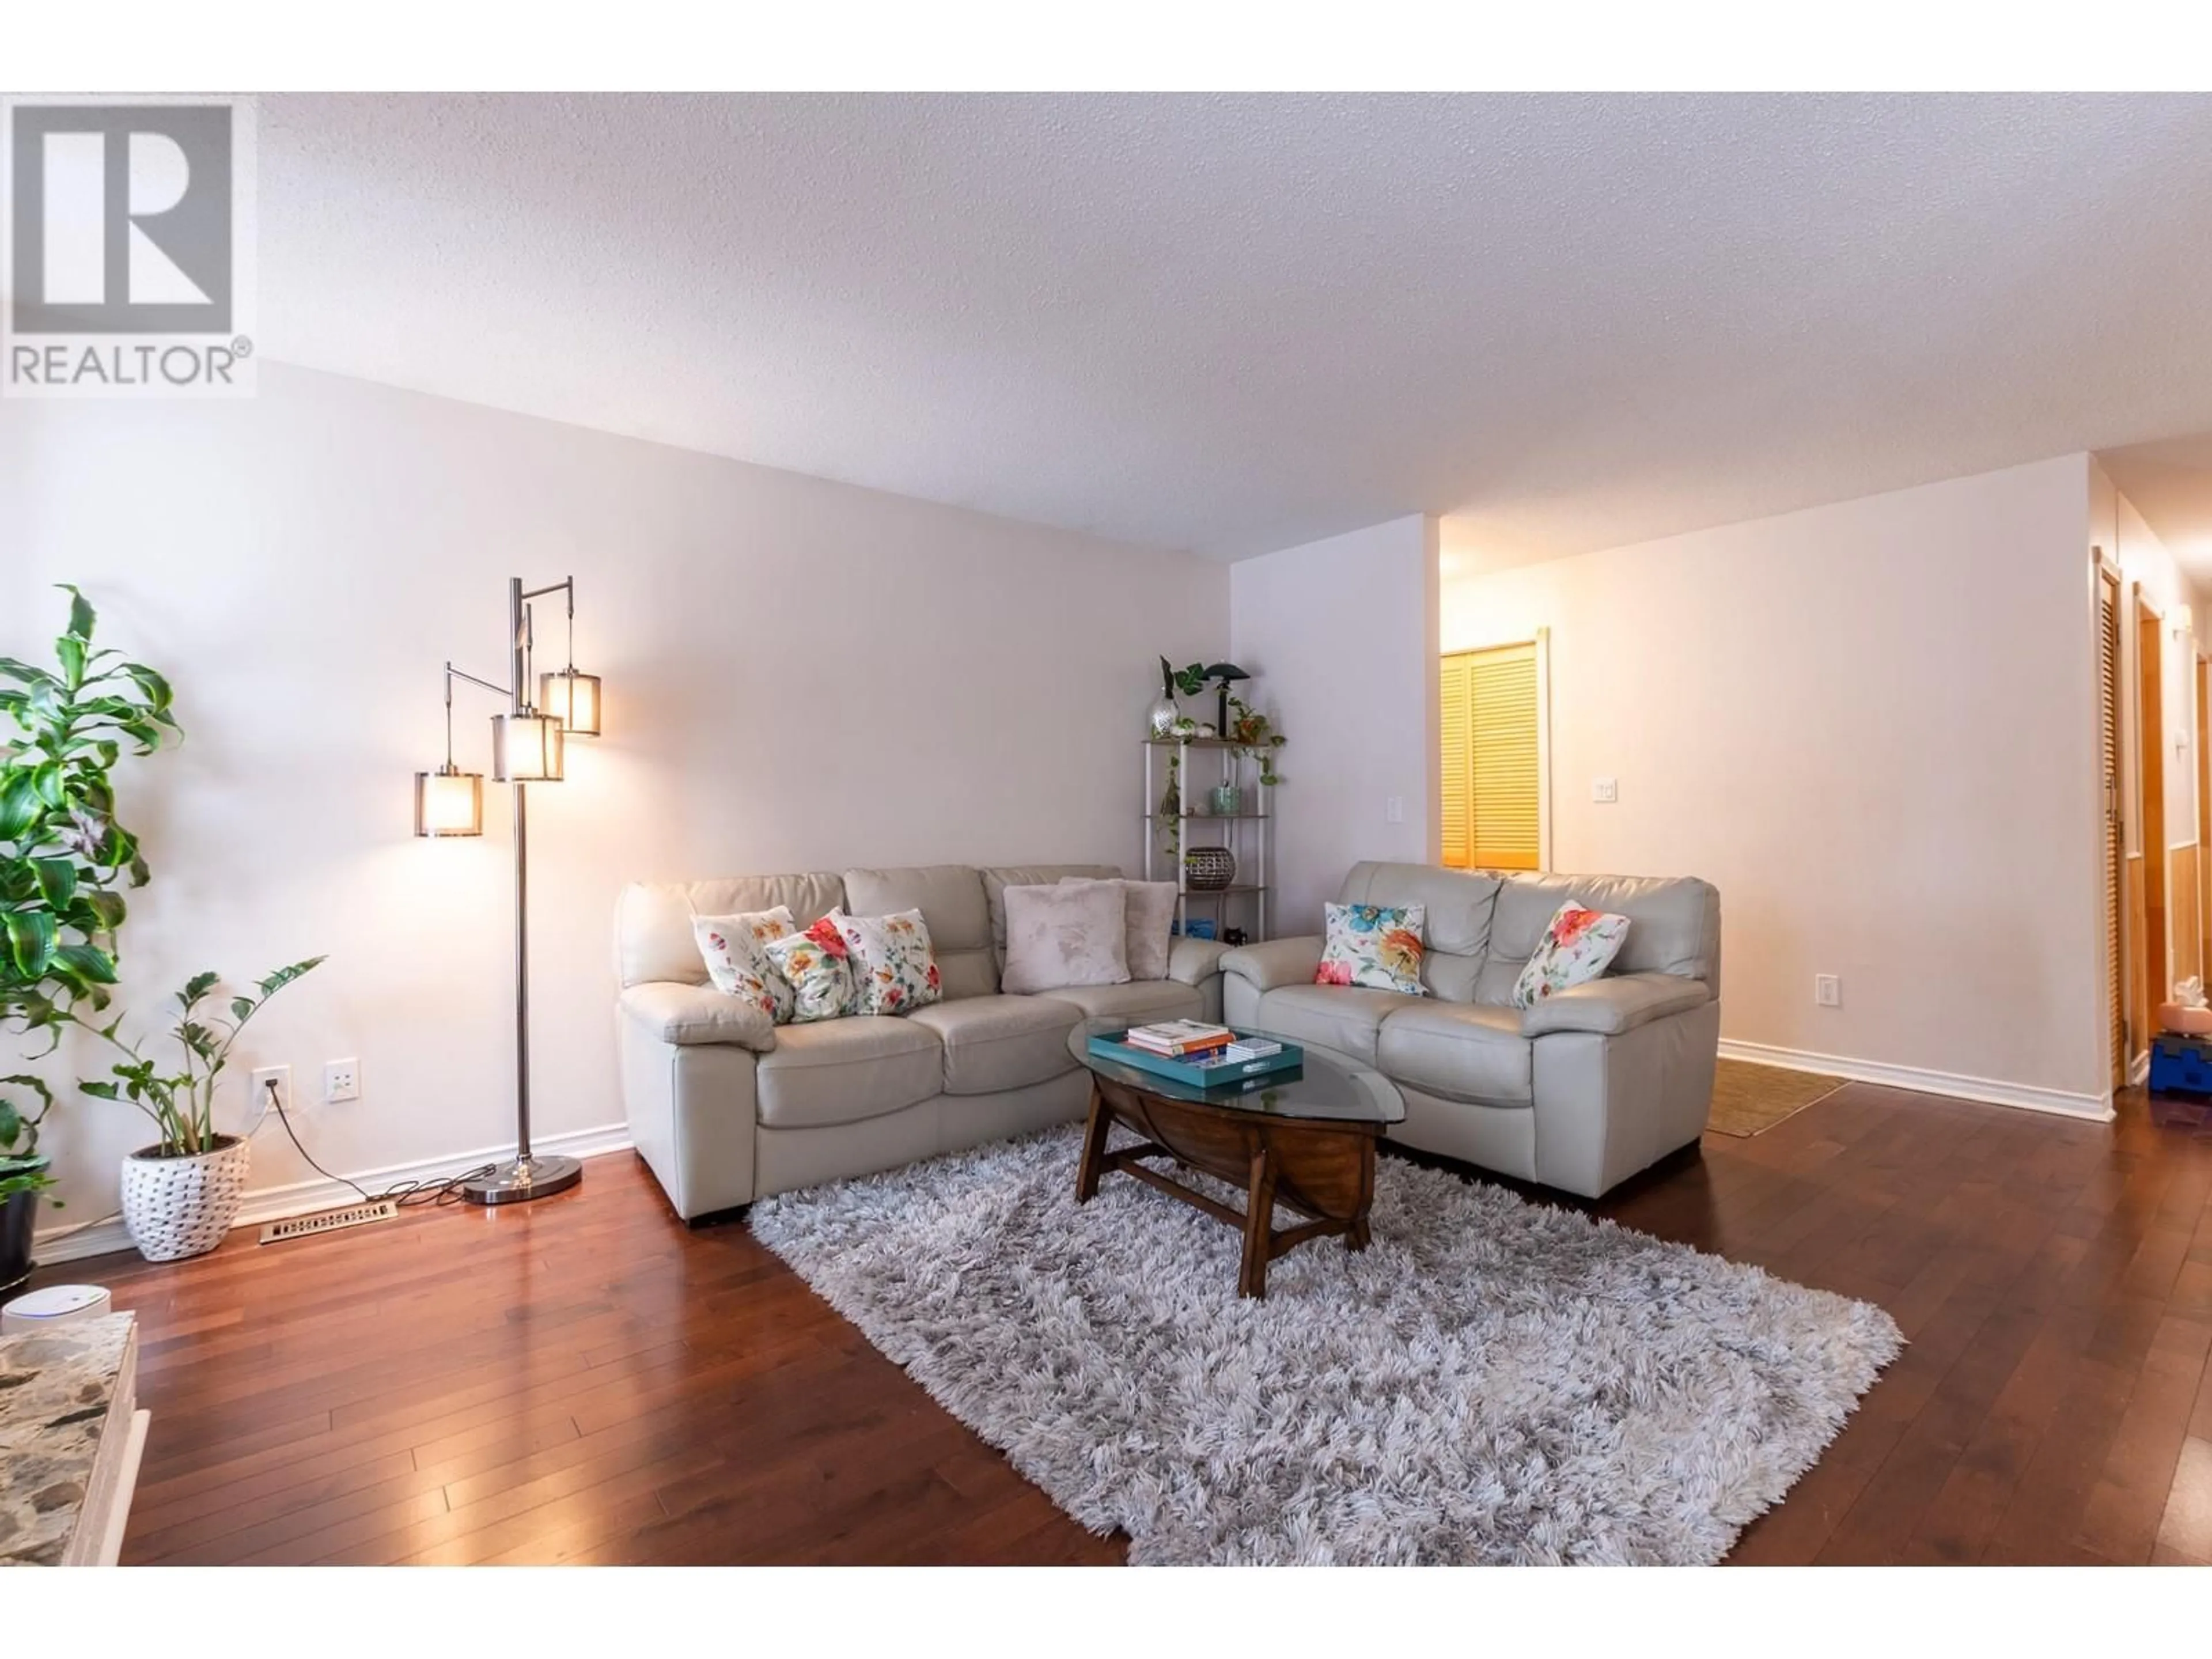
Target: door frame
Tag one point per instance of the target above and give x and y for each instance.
(2153, 957)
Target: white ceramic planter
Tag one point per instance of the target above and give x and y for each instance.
(180, 1206)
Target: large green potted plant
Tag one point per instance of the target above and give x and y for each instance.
(181, 1195)
(64, 861)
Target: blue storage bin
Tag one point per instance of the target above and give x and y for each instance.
(2180, 1065)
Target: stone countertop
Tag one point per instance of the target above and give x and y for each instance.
(56, 1397)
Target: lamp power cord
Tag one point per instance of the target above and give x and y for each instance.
(406, 1195)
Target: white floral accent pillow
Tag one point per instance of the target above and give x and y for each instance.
(1577, 947)
(736, 962)
(1375, 945)
(816, 964)
(894, 969)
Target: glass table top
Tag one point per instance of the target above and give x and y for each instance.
(1326, 1086)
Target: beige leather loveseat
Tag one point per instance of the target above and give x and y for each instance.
(725, 1113)
(1578, 1092)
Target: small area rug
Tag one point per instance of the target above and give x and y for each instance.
(1749, 1098)
(1491, 1381)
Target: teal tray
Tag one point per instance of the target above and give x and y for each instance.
(1198, 1077)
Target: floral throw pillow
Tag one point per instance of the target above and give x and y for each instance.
(1577, 947)
(734, 947)
(815, 962)
(1375, 945)
(894, 969)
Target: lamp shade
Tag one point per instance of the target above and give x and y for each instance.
(448, 802)
(525, 748)
(573, 699)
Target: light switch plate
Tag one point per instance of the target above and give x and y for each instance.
(1827, 991)
(1606, 791)
(1393, 810)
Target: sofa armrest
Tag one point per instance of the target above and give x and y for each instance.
(688, 1014)
(1194, 961)
(1278, 961)
(1614, 1004)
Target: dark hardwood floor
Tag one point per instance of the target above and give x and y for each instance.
(585, 1380)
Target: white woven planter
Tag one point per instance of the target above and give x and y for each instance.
(180, 1206)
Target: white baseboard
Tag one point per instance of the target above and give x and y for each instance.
(2028, 1097)
(62, 1243)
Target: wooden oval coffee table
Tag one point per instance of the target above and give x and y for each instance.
(1304, 1138)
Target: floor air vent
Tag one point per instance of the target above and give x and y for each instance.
(329, 1221)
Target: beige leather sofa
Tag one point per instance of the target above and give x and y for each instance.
(1579, 1092)
(726, 1114)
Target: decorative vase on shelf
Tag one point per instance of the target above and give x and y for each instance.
(1166, 711)
(1228, 800)
(1208, 869)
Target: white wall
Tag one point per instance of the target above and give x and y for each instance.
(799, 675)
(1869, 725)
(1342, 636)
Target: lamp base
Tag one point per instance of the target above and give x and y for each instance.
(522, 1179)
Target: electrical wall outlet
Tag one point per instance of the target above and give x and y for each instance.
(263, 1076)
(1606, 791)
(1393, 810)
(341, 1080)
(1827, 991)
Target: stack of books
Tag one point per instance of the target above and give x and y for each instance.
(1194, 1052)
(1249, 1047)
(1191, 1041)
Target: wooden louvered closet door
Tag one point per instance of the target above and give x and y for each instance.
(2115, 852)
(1492, 779)
(2202, 920)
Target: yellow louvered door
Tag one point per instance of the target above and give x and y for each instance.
(2115, 850)
(1458, 788)
(2202, 921)
(1500, 801)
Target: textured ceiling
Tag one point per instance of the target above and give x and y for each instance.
(1235, 323)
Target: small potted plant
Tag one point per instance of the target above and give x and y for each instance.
(1255, 738)
(181, 1195)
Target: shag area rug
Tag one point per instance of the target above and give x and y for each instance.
(1492, 1380)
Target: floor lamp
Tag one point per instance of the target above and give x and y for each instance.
(527, 746)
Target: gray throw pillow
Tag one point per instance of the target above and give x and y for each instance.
(1149, 908)
(1058, 936)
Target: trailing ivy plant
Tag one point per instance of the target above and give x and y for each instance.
(181, 1103)
(64, 860)
(1255, 738)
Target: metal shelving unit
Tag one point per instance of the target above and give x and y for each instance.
(1248, 832)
